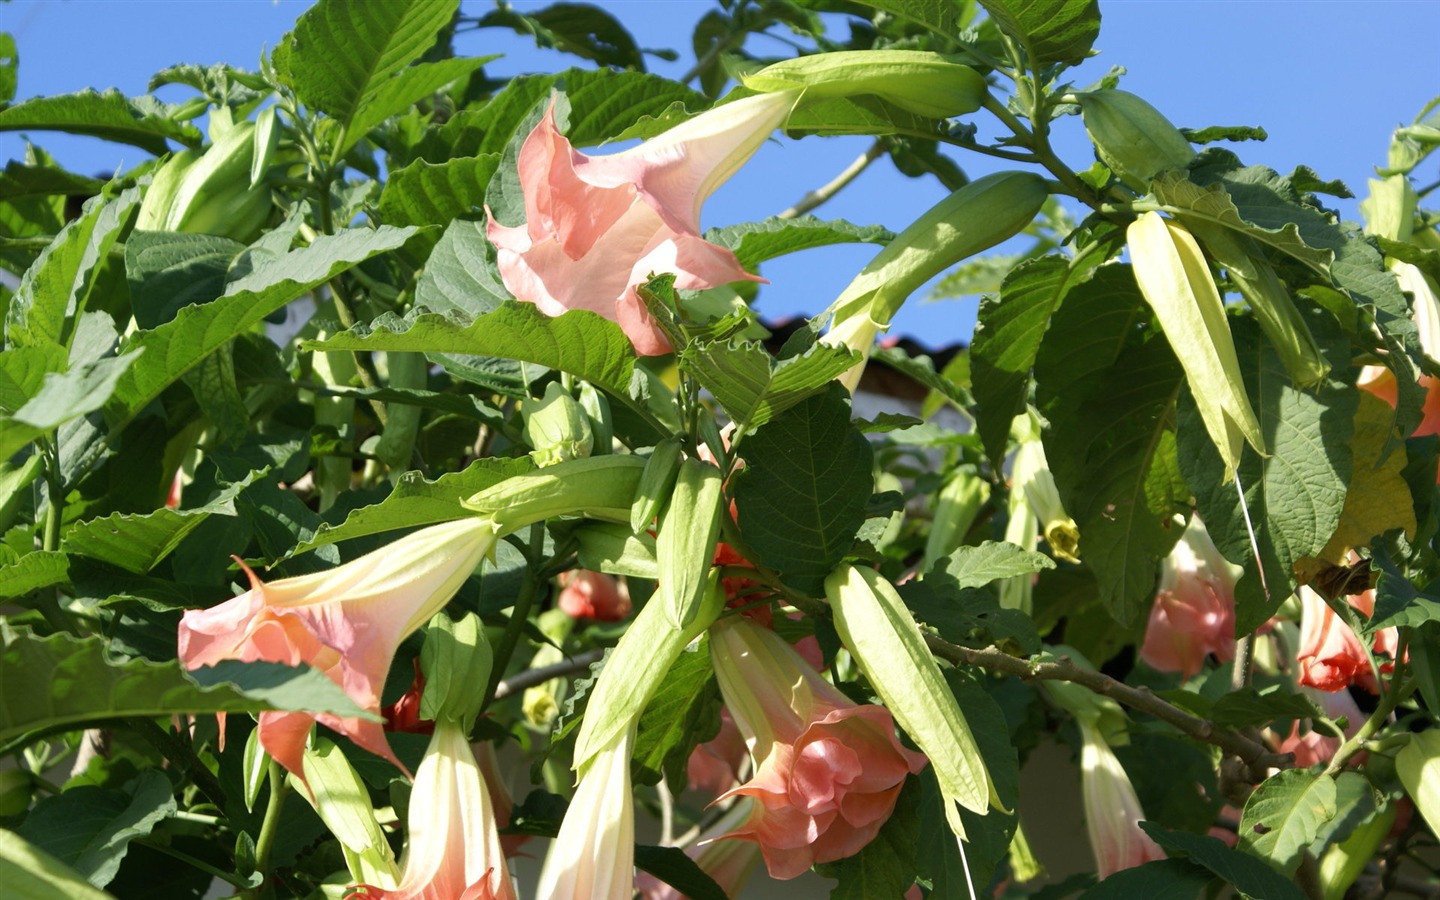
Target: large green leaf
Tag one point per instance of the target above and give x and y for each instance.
(672, 866)
(940, 16)
(33, 571)
(975, 567)
(168, 271)
(1159, 879)
(1051, 30)
(137, 543)
(344, 53)
(54, 289)
(579, 342)
(1284, 815)
(1108, 389)
(426, 194)
(89, 827)
(753, 386)
(20, 180)
(174, 348)
(755, 242)
(30, 873)
(1397, 602)
(1250, 876)
(57, 681)
(395, 95)
(801, 496)
(23, 369)
(1008, 332)
(459, 275)
(111, 116)
(416, 501)
(685, 714)
(581, 29)
(1294, 496)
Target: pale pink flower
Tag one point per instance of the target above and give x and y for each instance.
(714, 766)
(346, 621)
(593, 856)
(453, 851)
(1112, 810)
(1315, 746)
(1194, 611)
(1330, 656)
(592, 595)
(827, 772)
(598, 226)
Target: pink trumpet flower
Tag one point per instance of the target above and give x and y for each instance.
(454, 850)
(1194, 611)
(1330, 656)
(592, 595)
(347, 622)
(827, 772)
(1112, 811)
(598, 226)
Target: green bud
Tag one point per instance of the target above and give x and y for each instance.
(598, 487)
(164, 185)
(616, 550)
(456, 660)
(215, 195)
(958, 503)
(1133, 138)
(656, 483)
(918, 81)
(685, 545)
(557, 427)
(602, 422)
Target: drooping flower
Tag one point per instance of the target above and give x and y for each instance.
(453, 850)
(1330, 656)
(592, 595)
(346, 621)
(1380, 381)
(827, 772)
(1315, 746)
(593, 856)
(714, 767)
(1112, 810)
(598, 226)
(1194, 611)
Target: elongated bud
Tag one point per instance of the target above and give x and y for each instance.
(1344, 862)
(342, 801)
(1134, 139)
(1176, 282)
(267, 137)
(1268, 297)
(615, 549)
(881, 634)
(456, 660)
(602, 421)
(1418, 765)
(957, 504)
(656, 483)
(557, 427)
(925, 83)
(215, 195)
(685, 544)
(600, 487)
(973, 219)
(1390, 209)
(636, 668)
(164, 185)
(1031, 474)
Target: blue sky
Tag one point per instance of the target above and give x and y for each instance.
(1329, 81)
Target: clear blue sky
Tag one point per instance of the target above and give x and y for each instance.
(1328, 80)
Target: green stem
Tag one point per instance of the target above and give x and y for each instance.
(1039, 144)
(279, 790)
(519, 615)
(55, 615)
(1395, 690)
(174, 750)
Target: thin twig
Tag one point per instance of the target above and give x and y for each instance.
(530, 677)
(835, 185)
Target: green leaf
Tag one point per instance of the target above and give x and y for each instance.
(137, 543)
(20, 181)
(417, 501)
(885, 867)
(9, 64)
(1294, 496)
(577, 28)
(579, 342)
(860, 115)
(1397, 602)
(801, 496)
(426, 194)
(342, 55)
(968, 616)
(33, 571)
(1251, 708)
(174, 348)
(1159, 879)
(1284, 814)
(54, 289)
(30, 873)
(1252, 877)
(23, 370)
(672, 866)
(756, 242)
(940, 16)
(684, 715)
(78, 392)
(922, 370)
(975, 567)
(111, 116)
(753, 386)
(460, 273)
(1051, 30)
(1108, 389)
(89, 827)
(1008, 332)
(168, 271)
(59, 681)
(413, 84)
(1214, 204)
